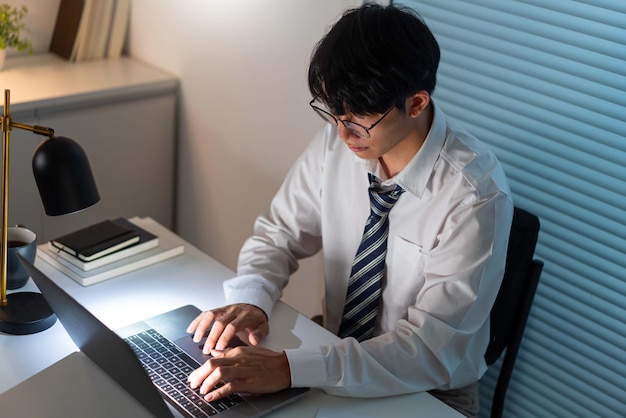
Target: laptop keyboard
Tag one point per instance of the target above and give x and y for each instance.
(168, 367)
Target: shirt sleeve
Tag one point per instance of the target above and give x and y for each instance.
(288, 231)
(445, 330)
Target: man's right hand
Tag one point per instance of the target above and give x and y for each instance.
(225, 322)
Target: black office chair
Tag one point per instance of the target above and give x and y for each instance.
(512, 305)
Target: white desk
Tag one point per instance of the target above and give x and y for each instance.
(193, 278)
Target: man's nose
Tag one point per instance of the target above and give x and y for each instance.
(345, 133)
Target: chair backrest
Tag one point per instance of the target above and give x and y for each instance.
(512, 306)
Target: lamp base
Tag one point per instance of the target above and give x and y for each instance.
(26, 313)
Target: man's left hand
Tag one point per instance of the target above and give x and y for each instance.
(243, 369)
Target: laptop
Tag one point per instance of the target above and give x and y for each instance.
(129, 355)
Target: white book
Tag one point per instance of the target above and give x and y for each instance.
(170, 245)
(119, 27)
(79, 48)
(98, 47)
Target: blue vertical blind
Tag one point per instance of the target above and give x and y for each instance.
(544, 83)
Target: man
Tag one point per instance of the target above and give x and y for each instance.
(413, 310)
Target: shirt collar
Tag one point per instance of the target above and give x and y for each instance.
(414, 177)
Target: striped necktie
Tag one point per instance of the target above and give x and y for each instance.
(364, 286)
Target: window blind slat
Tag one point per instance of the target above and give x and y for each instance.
(585, 327)
(581, 349)
(601, 227)
(580, 398)
(596, 261)
(548, 140)
(589, 10)
(544, 82)
(606, 218)
(598, 110)
(589, 192)
(475, 25)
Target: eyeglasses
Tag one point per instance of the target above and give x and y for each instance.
(357, 129)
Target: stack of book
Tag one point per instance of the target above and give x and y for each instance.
(90, 29)
(110, 248)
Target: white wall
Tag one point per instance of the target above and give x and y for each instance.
(244, 114)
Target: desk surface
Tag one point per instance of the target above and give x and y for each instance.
(192, 278)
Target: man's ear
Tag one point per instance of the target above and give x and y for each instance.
(417, 102)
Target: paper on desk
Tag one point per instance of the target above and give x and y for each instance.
(338, 413)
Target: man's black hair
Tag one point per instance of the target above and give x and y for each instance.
(373, 58)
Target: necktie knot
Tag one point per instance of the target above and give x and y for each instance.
(382, 201)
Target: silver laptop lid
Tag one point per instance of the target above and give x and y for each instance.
(103, 346)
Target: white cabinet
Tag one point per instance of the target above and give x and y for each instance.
(123, 114)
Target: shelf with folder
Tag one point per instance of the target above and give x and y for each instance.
(169, 245)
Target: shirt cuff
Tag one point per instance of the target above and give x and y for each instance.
(236, 291)
(307, 367)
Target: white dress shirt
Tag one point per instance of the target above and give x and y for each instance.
(446, 252)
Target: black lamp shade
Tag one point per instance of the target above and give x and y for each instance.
(63, 176)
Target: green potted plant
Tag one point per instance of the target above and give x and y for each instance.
(13, 30)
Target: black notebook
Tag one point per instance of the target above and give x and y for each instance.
(147, 241)
(97, 240)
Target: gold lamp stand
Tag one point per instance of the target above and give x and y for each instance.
(66, 185)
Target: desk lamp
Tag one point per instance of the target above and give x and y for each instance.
(66, 185)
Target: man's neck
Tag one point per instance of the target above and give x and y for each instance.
(395, 161)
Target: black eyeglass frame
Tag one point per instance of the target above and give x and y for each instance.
(351, 126)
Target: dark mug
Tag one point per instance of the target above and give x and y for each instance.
(21, 241)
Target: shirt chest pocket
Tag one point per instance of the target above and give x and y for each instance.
(405, 271)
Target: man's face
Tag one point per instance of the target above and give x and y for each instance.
(390, 137)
